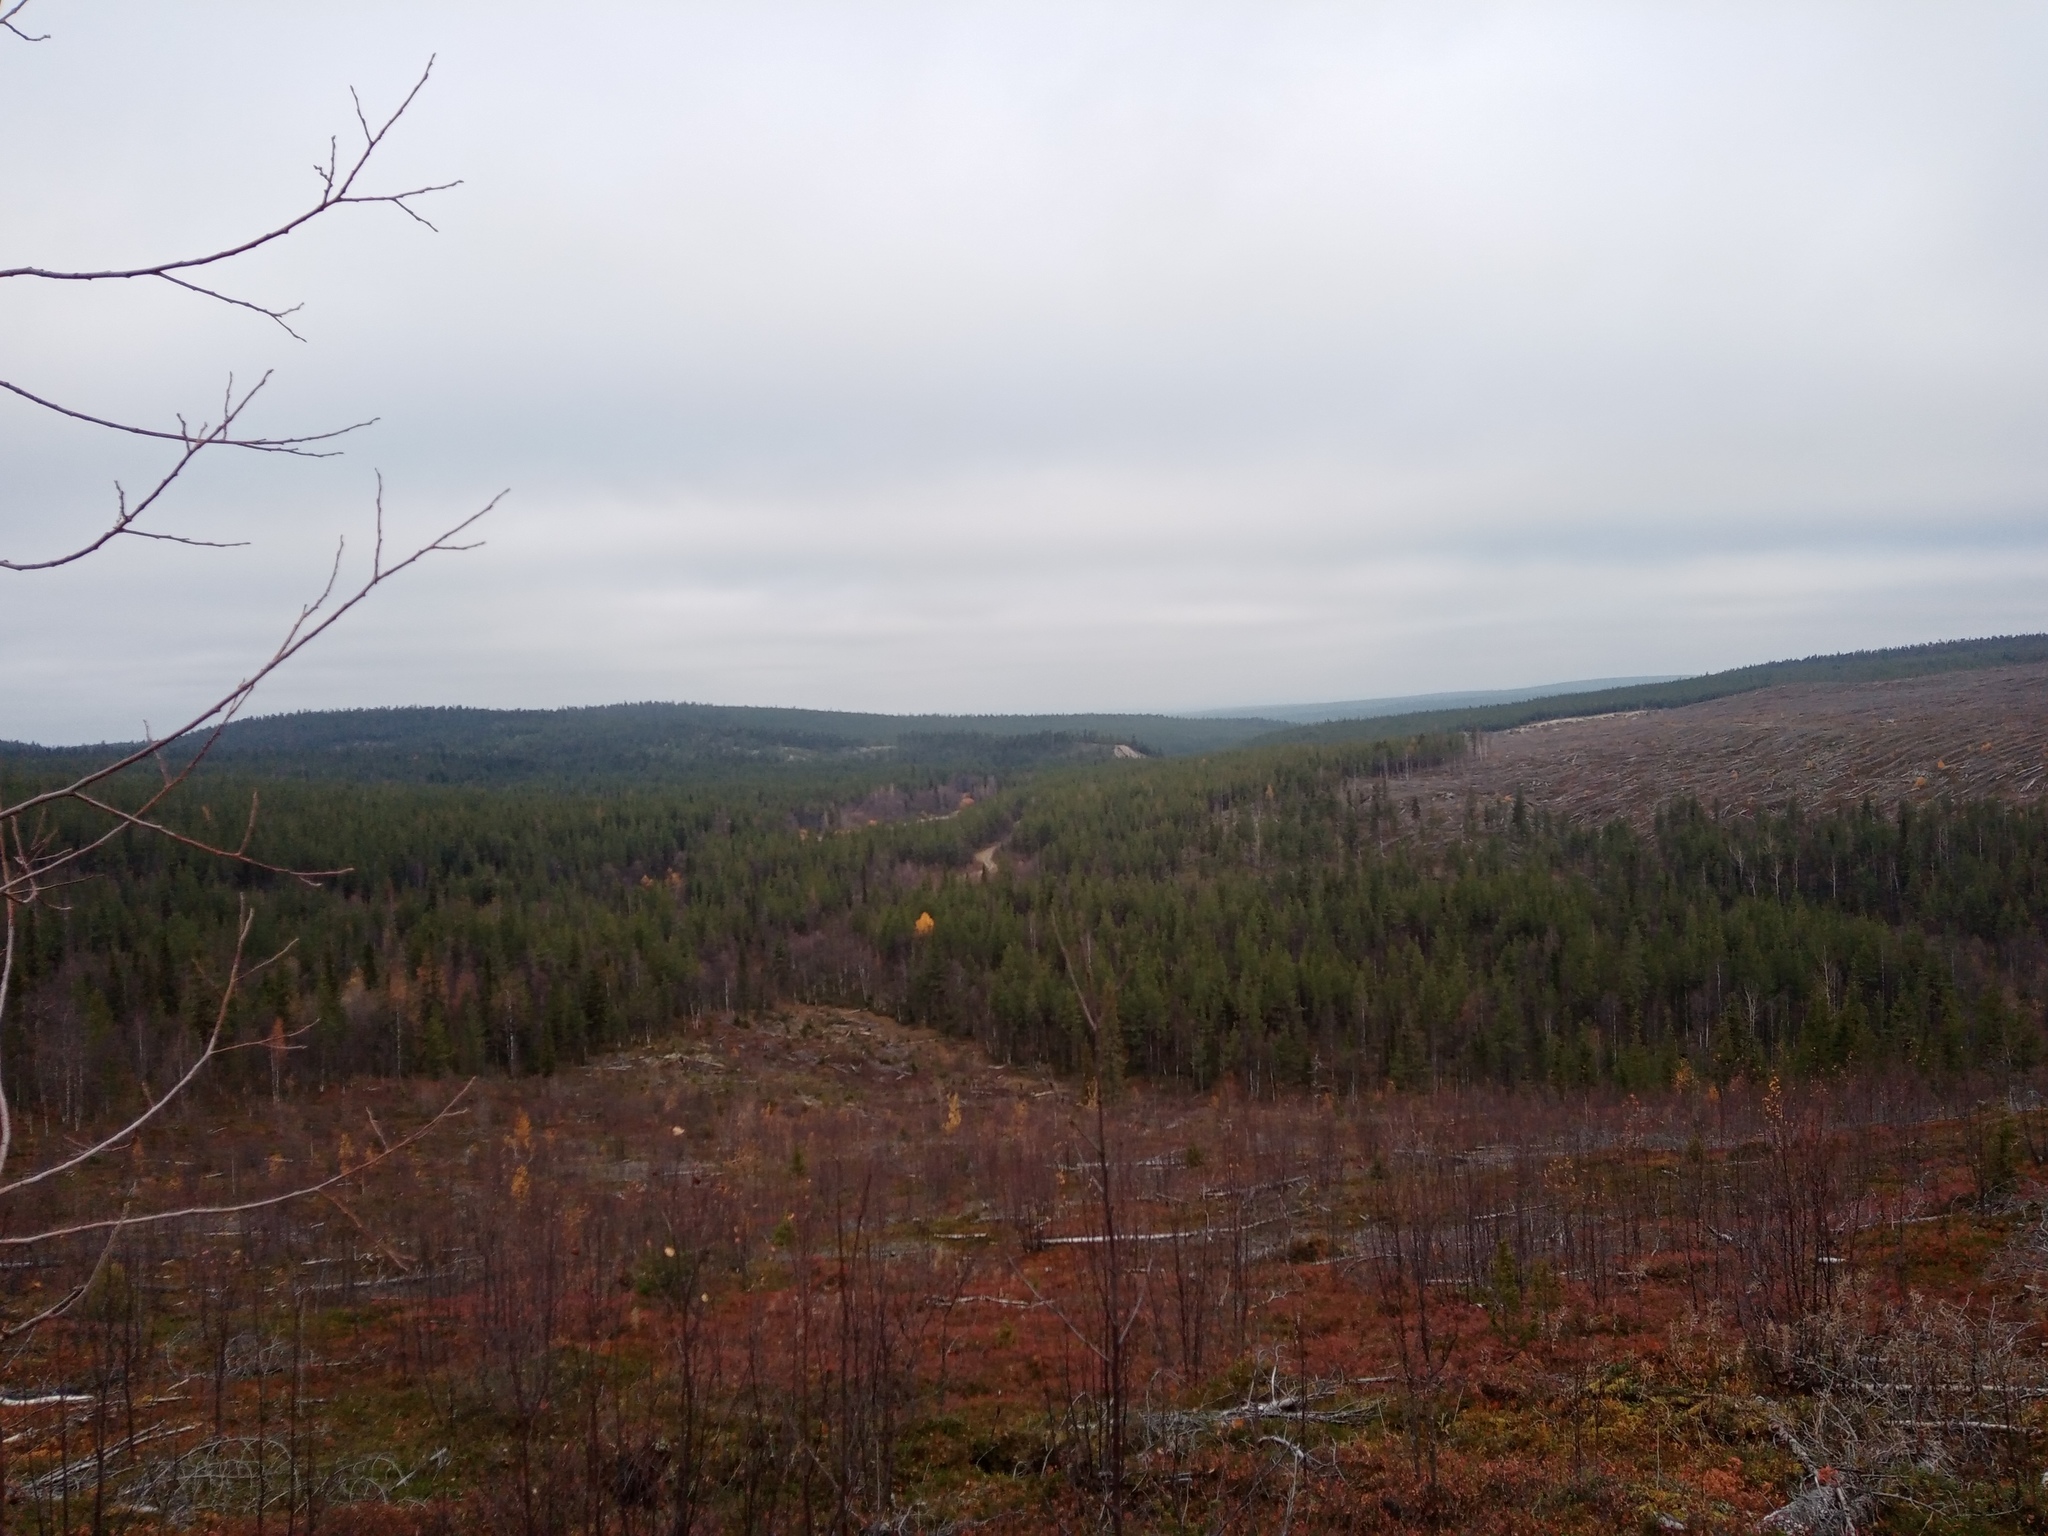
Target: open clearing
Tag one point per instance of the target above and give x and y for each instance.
(1963, 735)
(659, 1292)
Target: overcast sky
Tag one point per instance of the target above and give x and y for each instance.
(1037, 357)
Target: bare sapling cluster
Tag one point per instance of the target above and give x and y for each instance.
(668, 1296)
(104, 1192)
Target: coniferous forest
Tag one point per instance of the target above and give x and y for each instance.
(1279, 918)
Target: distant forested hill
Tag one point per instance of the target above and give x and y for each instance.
(653, 743)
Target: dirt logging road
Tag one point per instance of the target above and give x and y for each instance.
(1963, 735)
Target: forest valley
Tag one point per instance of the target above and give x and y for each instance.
(1281, 919)
(1225, 1143)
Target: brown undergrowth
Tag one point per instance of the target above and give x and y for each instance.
(820, 1271)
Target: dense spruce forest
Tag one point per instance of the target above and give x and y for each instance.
(1282, 916)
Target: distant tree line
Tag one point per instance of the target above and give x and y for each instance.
(1283, 917)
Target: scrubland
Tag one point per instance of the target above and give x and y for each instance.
(820, 1271)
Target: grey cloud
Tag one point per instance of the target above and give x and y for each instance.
(937, 356)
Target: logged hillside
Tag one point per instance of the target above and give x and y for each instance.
(1940, 659)
(1821, 748)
